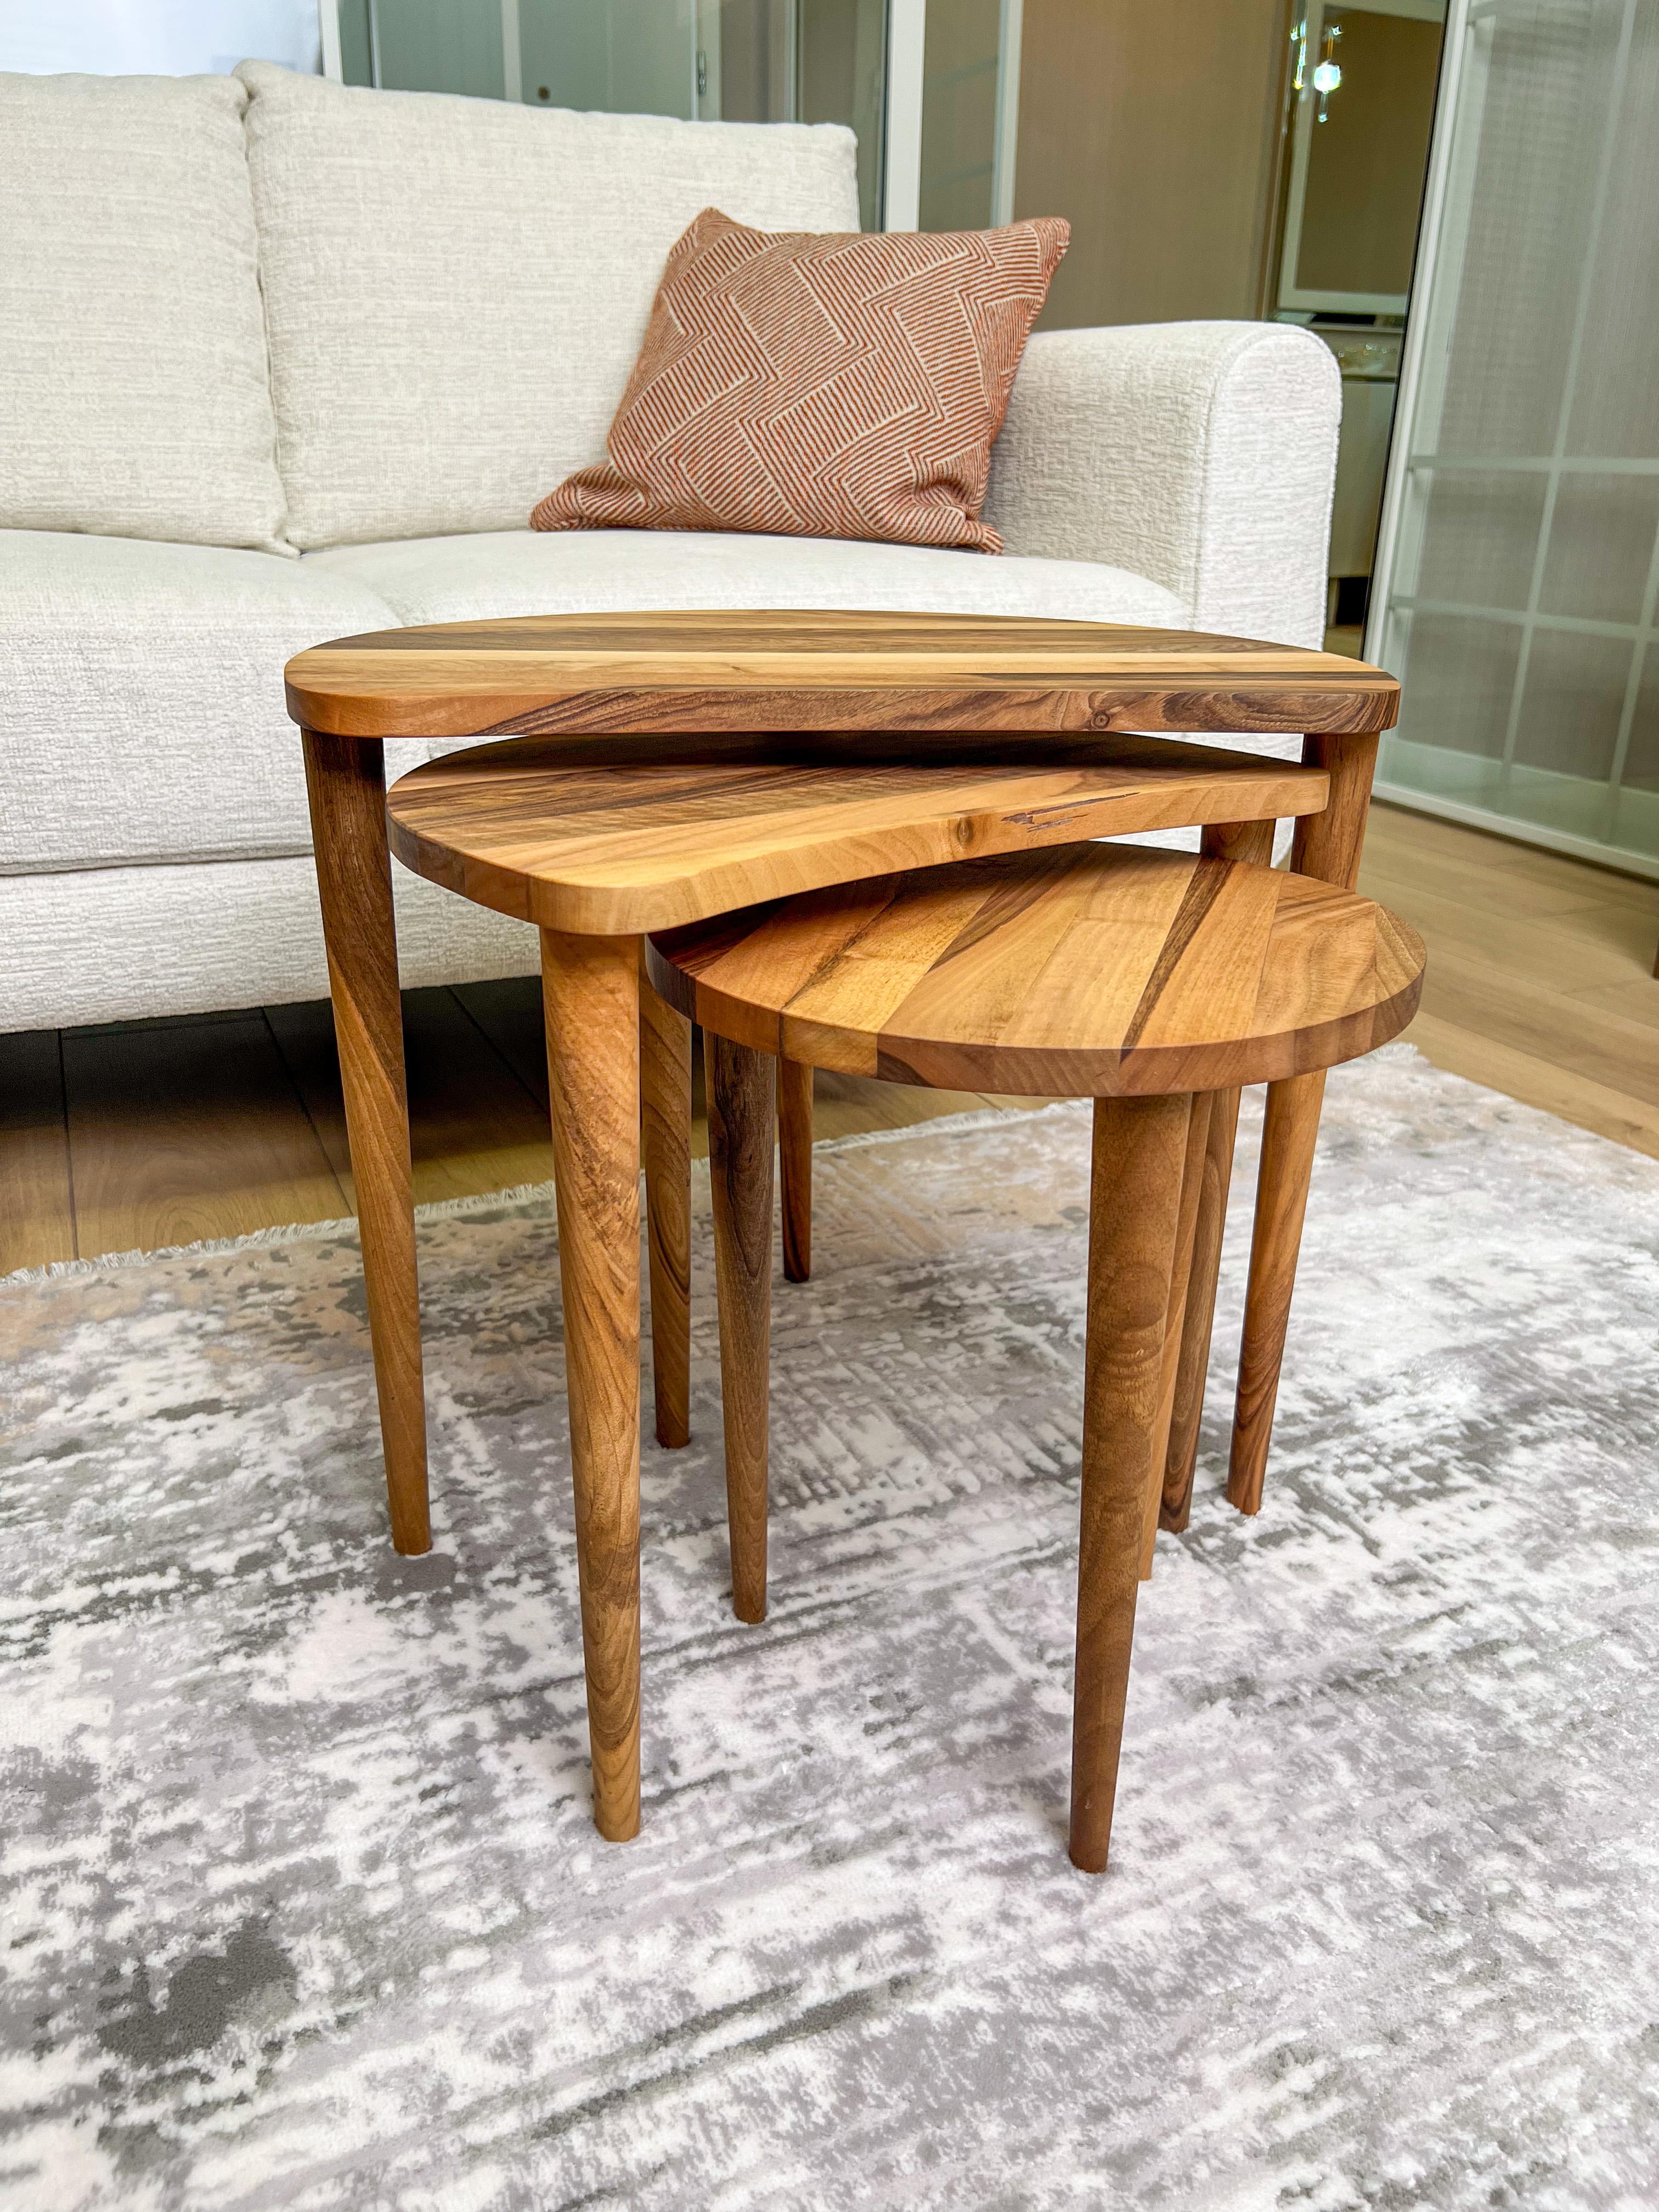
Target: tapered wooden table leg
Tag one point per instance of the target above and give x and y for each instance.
(1198, 1319)
(1289, 1134)
(590, 991)
(1134, 1206)
(665, 1131)
(1326, 846)
(742, 1115)
(1192, 1186)
(345, 778)
(795, 1158)
(1221, 841)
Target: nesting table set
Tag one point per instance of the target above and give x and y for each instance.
(857, 841)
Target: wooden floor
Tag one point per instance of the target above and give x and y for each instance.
(146, 1133)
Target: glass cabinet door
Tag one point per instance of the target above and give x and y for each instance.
(1520, 567)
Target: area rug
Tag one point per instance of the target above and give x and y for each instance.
(304, 1907)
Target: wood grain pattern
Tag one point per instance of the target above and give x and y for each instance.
(1223, 841)
(158, 1111)
(1328, 845)
(1192, 1186)
(1133, 1209)
(742, 1117)
(795, 1165)
(346, 783)
(666, 1145)
(591, 996)
(1143, 977)
(37, 1203)
(1198, 1320)
(619, 849)
(1289, 1133)
(1094, 972)
(777, 670)
(474, 1125)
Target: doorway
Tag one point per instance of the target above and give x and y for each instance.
(1218, 158)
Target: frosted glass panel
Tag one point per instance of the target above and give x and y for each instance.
(1462, 673)
(633, 57)
(740, 61)
(1602, 538)
(1615, 407)
(1480, 531)
(1518, 603)
(1642, 765)
(439, 45)
(1572, 702)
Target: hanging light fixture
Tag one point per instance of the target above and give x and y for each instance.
(1327, 72)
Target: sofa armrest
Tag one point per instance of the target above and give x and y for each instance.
(1199, 454)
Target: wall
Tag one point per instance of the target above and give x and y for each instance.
(1155, 130)
(157, 38)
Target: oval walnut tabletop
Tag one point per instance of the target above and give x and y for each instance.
(601, 850)
(705, 672)
(1091, 972)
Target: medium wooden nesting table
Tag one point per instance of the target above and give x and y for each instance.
(665, 768)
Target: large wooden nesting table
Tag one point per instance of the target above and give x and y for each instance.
(661, 769)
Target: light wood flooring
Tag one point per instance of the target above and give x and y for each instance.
(146, 1133)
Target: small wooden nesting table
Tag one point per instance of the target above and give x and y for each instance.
(1150, 982)
(667, 768)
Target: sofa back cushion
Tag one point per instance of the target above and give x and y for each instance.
(456, 289)
(134, 395)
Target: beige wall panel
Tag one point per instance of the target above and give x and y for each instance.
(1156, 131)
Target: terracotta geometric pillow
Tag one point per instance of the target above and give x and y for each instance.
(841, 384)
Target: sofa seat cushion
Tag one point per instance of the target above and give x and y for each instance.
(144, 717)
(133, 383)
(522, 572)
(456, 289)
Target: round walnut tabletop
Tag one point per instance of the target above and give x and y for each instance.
(1096, 971)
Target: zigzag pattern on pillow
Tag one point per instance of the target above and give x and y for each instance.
(820, 385)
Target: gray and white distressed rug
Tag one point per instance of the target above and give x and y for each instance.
(303, 1903)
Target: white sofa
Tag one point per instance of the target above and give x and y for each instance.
(282, 361)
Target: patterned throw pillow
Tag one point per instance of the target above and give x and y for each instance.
(835, 385)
